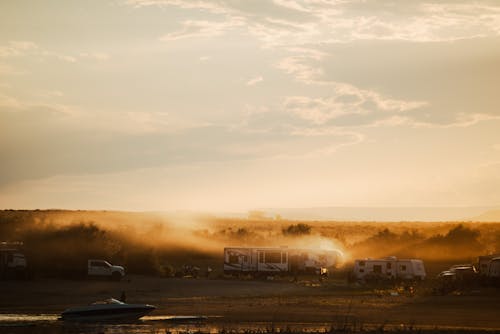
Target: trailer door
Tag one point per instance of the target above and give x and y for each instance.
(261, 260)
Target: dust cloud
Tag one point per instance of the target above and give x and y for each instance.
(59, 242)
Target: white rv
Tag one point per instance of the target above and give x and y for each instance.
(12, 261)
(389, 268)
(494, 269)
(484, 263)
(254, 260)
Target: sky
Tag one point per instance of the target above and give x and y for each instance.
(232, 105)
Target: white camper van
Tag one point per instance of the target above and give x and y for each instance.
(272, 260)
(389, 268)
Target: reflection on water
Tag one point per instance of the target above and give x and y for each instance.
(11, 318)
(49, 323)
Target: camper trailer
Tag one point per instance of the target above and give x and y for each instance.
(483, 264)
(277, 260)
(494, 270)
(390, 268)
(12, 261)
(250, 260)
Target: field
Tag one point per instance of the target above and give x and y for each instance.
(239, 302)
(154, 247)
(158, 244)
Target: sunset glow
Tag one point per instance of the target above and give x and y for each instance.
(235, 105)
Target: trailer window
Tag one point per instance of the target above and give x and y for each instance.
(361, 263)
(273, 257)
(284, 257)
(233, 258)
(389, 265)
(261, 257)
(99, 264)
(403, 267)
(377, 269)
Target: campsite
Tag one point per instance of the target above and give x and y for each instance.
(159, 269)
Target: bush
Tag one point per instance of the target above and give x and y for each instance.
(296, 230)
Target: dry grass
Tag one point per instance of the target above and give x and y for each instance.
(154, 243)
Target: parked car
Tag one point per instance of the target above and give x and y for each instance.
(102, 268)
(460, 272)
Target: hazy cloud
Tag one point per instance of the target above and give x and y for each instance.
(17, 48)
(323, 87)
(255, 81)
(192, 29)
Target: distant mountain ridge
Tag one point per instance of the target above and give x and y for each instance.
(391, 214)
(488, 216)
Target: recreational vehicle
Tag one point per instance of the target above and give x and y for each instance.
(484, 262)
(494, 270)
(12, 261)
(274, 260)
(390, 268)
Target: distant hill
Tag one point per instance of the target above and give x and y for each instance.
(488, 216)
(431, 214)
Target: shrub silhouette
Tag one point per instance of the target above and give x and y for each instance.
(296, 230)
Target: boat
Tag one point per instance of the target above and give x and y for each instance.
(107, 310)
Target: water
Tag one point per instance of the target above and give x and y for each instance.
(158, 324)
(50, 323)
(164, 324)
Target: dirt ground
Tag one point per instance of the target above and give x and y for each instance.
(261, 301)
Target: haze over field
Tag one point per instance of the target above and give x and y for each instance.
(235, 105)
(156, 243)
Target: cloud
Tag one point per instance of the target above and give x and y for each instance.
(300, 67)
(31, 51)
(201, 29)
(291, 4)
(314, 23)
(27, 48)
(460, 121)
(347, 100)
(94, 56)
(50, 94)
(13, 104)
(303, 30)
(314, 112)
(210, 6)
(17, 48)
(255, 81)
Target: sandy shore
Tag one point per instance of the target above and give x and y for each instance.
(259, 301)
